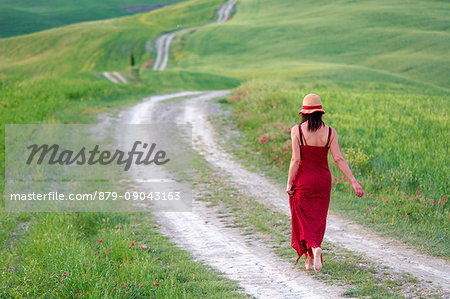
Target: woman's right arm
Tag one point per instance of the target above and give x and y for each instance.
(342, 164)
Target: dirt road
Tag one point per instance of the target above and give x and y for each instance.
(163, 42)
(352, 236)
(256, 268)
(197, 237)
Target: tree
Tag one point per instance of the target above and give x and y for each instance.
(132, 59)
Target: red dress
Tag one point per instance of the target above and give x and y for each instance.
(311, 198)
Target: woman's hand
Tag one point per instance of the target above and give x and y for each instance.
(358, 189)
(289, 189)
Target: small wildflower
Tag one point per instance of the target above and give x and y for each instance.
(371, 205)
(174, 287)
(384, 199)
(404, 216)
(132, 243)
(100, 240)
(367, 209)
(417, 192)
(155, 283)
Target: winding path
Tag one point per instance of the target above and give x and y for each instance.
(163, 42)
(254, 266)
(195, 231)
(386, 251)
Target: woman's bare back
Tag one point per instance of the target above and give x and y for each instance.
(317, 138)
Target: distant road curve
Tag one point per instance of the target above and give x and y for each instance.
(115, 77)
(163, 42)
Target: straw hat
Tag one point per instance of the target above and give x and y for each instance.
(311, 103)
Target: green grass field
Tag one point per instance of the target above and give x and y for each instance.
(54, 77)
(22, 17)
(66, 255)
(381, 68)
(101, 45)
(344, 42)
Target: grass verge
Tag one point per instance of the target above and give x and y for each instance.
(112, 254)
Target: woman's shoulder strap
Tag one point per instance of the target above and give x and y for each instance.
(301, 135)
(329, 135)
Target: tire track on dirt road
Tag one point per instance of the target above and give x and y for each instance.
(383, 250)
(255, 267)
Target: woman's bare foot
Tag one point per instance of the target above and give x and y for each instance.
(308, 262)
(317, 259)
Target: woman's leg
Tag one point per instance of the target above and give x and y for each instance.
(317, 258)
(308, 263)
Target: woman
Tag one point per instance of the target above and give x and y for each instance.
(309, 180)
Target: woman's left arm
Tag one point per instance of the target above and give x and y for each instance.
(295, 160)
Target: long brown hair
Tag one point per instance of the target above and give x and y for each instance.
(314, 120)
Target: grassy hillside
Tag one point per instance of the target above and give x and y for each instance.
(403, 42)
(381, 67)
(45, 73)
(53, 77)
(99, 45)
(22, 17)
